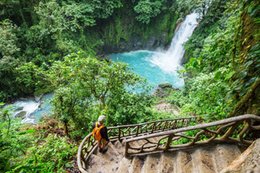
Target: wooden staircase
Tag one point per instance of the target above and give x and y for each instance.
(176, 146)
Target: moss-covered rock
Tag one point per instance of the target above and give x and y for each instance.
(123, 33)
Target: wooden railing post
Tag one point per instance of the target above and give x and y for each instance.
(165, 125)
(186, 122)
(246, 126)
(154, 124)
(119, 133)
(137, 130)
(168, 142)
(182, 123)
(126, 149)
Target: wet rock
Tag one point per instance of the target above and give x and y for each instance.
(21, 114)
(163, 90)
(18, 108)
(165, 85)
(38, 98)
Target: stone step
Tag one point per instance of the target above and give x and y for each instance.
(118, 144)
(167, 163)
(97, 164)
(124, 166)
(120, 147)
(136, 165)
(110, 155)
(151, 164)
(203, 161)
(154, 140)
(211, 159)
(114, 149)
(140, 142)
(107, 162)
(224, 155)
(184, 162)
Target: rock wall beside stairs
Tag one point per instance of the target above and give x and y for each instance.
(248, 161)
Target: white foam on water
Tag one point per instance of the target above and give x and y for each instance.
(28, 106)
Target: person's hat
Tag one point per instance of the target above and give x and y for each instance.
(101, 118)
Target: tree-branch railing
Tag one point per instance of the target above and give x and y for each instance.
(89, 145)
(232, 130)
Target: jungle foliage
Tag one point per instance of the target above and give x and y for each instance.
(87, 87)
(36, 33)
(223, 67)
(53, 46)
(33, 148)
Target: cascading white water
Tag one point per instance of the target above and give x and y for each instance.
(27, 107)
(170, 60)
(32, 109)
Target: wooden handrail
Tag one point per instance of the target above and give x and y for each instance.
(228, 126)
(150, 122)
(81, 165)
(89, 145)
(199, 126)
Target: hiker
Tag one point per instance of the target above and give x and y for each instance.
(100, 134)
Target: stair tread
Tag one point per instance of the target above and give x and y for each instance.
(136, 165)
(95, 164)
(115, 150)
(118, 144)
(184, 162)
(151, 164)
(203, 161)
(105, 163)
(167, 163)
(224, 155)
(211, 159)
(124, 166)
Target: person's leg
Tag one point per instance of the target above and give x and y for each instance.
(100, 147)
(104, 145)
(104, 150)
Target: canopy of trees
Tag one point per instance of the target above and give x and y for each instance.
(58, 45)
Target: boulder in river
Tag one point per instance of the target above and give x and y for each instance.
(165, 85)
(21, 114)
(163, 90)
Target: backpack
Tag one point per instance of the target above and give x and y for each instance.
(96, 132)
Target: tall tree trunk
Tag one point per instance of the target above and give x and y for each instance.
(21, 12)
(66, 130)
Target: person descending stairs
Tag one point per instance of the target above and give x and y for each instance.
(100, 134)
(173, 146)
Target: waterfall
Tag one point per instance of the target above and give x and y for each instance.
(170, 61)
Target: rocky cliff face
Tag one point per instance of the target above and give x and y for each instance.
(248, 161)
(123, 33)
(136, 42)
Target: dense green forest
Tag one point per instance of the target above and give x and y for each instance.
(60, 46)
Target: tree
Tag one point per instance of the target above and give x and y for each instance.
(88, 87)
(8, 61)
(146, 9)
(104, 9)
(8, 41)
